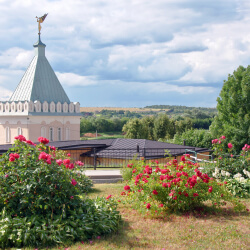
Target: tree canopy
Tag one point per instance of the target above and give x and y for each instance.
(233, 105)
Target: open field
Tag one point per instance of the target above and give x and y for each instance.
(222, 230)
(98, 109)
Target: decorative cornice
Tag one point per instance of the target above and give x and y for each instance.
(38, 108)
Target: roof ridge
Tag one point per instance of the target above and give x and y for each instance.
(115, 141)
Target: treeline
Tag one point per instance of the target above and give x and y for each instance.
(116, 124)
(161, 127)
(100, 124)
(165, 129)
(183, 109)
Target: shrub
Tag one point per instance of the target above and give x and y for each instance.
(176, 187)
(40, 201)
(234, 170)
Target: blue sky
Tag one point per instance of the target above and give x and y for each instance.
(129, 53)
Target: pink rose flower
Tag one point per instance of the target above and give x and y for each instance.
(73, 182)
(43, 140)
(230, 145)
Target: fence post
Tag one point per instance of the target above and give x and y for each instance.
(94, 158)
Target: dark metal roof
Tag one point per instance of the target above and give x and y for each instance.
(122, 148)
(129, 148)
(81, 144)
(4, 148)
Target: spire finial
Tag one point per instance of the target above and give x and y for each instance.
(40, 20)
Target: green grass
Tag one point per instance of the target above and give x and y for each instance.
(224, 229)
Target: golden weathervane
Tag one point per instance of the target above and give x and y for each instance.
(40, 20)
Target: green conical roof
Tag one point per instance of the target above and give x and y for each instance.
(40, 81)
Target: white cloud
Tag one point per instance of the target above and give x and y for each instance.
(5, 94)
(75, 80)
(16, 58)
(179, 46)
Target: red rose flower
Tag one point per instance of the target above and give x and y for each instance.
(16, 155)
(30, 142)
(210, 189)
(20, 138)
(12, 158)
(52, 148)
(160, 205)
(195, 194)
(66, 161)
(148, 206)
(178, 174)
(59, 162)
(79, 163)
(155, 192)
(108, 197)
(127, 188)
(43, 140)
(183, 158)
(73, 182)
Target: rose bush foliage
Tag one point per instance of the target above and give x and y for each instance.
(40, 198)
(174, 187)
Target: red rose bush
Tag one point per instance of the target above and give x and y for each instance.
(174, 187)
(42, 199)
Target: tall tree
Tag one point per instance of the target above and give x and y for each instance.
(160, 126)
(133, 129)
(233, 105)
(148, 127)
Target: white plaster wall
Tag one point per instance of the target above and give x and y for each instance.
(31, 126)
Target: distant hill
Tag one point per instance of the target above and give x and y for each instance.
(180, 109)
(99, 109)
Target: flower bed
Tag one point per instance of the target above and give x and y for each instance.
(232, 169)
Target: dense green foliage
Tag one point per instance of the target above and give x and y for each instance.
(41, 200)
(155, 127)
(113, 121)
(102, 124)
(194, 137)
(233, 107)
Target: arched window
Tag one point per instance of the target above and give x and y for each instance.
(59, 134)
(51, 134)
(43, 132)
(19, 131)
(67, 134)
(7, 130)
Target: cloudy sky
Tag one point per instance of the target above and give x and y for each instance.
(129, 53)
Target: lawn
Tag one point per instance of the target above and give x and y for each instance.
(222, 230)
